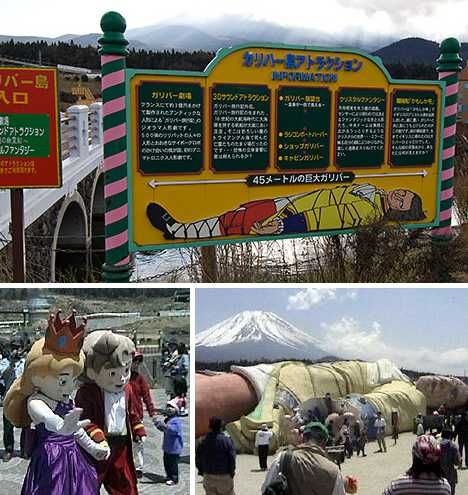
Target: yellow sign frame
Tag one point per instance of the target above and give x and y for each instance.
(209, 194)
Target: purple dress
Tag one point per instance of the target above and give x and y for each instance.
(58, 466)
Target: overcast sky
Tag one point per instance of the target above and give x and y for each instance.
(432, 19)
(421, 329)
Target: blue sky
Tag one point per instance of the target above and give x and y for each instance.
(432, 19)
(426, 328)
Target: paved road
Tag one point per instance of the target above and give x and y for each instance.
(374, 472)
(12, 473)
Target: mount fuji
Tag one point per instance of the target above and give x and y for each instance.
(255, 336)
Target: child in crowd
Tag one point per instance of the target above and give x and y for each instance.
(172, 443)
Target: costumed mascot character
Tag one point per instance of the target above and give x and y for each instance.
(42, 396)
(107, 401)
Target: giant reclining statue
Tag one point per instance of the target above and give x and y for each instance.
(250, 396)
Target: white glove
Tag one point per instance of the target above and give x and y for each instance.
(100, 451)
(40, 412)
(71, 423)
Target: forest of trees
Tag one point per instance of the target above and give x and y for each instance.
(22, 294)
(88, 57)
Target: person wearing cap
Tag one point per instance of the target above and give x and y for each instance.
(380, 425)
(262, 444)
(141, 392)
(450, 458)
(425, 475)
(310, 471)
(173, 442)
(216, 460)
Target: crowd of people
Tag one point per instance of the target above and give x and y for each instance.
(12, 359)
(310, 464)
(176, 367)
(166, 420)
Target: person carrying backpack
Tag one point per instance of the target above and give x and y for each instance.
(307, 470)
(449, 458)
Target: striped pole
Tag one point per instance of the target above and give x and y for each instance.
(448, 67)
(113, 52)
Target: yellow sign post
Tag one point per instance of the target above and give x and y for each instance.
(276, 142)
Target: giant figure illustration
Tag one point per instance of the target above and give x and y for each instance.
(342, 207)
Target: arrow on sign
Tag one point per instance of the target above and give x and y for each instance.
(153, 183)
(423, 173)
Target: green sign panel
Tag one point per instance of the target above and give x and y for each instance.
(170, 129)
(24, 135)
(360, 127)
(240, 127)
(303, 128)
(413, 127)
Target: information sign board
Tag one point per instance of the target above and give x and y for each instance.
(29, 129)
(329, 129)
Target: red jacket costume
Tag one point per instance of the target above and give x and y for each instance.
(240, 220)
(118, 472)
(141, 392)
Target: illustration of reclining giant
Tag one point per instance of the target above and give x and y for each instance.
(339, 208)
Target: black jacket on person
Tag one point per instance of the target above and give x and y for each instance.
(461, 429)
(216, 455)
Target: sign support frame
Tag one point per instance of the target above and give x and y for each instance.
(113, 51)
(17, 235)
(449, 64)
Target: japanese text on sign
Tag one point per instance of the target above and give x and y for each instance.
(240, 127)
(413, 130)
(170, 124)
(360, 127)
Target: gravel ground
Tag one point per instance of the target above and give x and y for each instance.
(12, 472)
(374, 472)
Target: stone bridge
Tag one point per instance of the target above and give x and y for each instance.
(64, 235)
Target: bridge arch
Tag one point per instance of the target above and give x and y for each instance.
(70, 245)
(96, 221)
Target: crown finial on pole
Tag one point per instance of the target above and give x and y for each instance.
(113, 41)
(449, 60)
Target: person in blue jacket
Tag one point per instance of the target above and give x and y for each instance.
(173, 442)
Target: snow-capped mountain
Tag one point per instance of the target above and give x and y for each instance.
(253, 336)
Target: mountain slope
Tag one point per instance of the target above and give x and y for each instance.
(414, 50)
(255, 335)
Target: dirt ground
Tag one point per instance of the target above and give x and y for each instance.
(374, 472)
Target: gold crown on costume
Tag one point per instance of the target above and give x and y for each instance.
(64, 336)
